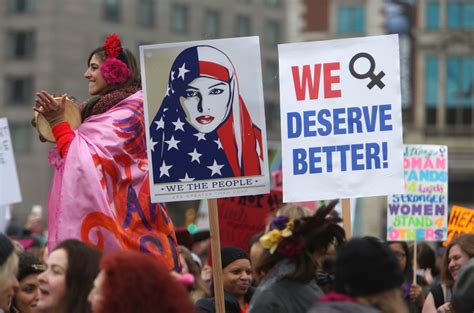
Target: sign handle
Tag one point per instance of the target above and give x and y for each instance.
(216, 255)
(414, 263)
(346, 217)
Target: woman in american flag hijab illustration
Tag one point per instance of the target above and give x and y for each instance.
(203, 129)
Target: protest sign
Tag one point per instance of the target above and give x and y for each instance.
(9, 186)
(242, 217)
(204, 112)
(341, 118)
(422, 212)
(461, 221)
(205, 126)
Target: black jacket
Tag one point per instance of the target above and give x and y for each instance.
(231, 304)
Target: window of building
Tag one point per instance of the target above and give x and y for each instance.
(112, 9)
(460, 15)
(179, 18)
(273, 3)
(459, 90)
(468, 15)
(271, 33)
(431, 89)
(351, 19)
(21, 135)
(21, 6)
(21, 44)
(432, 15)
(458, 93)
(242, 26)
(19, 90)
(270, 74)
(146, 13)
(211, 24)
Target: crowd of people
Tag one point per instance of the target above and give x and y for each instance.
(301, 262)
(289, 267)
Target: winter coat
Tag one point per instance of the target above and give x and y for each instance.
(342, 307)
(285, 296)
(231, 304)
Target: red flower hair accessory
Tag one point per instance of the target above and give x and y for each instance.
(291, 246)
(112, 46)
(114, 70)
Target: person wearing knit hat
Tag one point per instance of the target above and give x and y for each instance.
(230, 254)
(236, 278)
(367, 273)
(8, 269)
(26, 299)
(359, 260)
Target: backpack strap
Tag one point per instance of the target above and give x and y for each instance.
(438, 297)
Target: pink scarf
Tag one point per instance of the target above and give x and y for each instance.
(100, 192)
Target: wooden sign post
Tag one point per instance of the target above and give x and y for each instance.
(216, 256)
(414, 263)
(346, 217)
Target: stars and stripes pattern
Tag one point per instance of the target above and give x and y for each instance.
(183, 157)
(180, 153)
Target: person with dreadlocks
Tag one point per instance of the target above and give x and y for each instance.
(288, 265)
(100, 192)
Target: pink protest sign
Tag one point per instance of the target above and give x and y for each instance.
(422, 212)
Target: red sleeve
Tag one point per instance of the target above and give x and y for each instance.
(63, 134)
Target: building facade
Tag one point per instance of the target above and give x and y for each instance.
(444, 89)
(47, 42)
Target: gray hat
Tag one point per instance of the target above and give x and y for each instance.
(6, 248)
(463, 300)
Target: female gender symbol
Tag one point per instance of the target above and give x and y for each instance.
(374, 79)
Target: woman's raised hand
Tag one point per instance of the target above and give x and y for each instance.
(416, 294)
(51, 109)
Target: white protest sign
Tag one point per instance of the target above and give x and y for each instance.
(9, 186)
(421, 213)
(341, 118)
(205, 119)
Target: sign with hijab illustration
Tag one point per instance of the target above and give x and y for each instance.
(205, 114)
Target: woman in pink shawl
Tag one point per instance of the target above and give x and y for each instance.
(100, 192)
